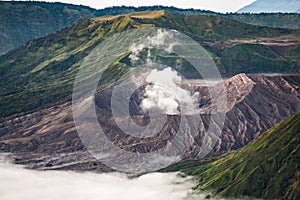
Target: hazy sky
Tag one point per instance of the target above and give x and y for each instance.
(214, 5)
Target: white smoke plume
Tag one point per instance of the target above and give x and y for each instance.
(17, 183)
(157, 41)
(165, 96)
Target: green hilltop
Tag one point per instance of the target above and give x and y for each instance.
(267, 168)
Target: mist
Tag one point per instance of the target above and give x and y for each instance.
(18, 183)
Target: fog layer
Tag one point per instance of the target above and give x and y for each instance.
(18, 183)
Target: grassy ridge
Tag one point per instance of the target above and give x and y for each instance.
(214, 28)
(266, 168)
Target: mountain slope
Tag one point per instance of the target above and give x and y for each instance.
(21, 21)
(279, 20)
(24, 21)
(41, 72)
(48, 65)
(267, 6)
(266, 168)
(255, 104)
(257, 56)
(212, 28)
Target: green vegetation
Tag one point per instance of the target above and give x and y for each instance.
(294, 53)
(213, 28)
(241, 58)
(41, 72)
(266, 168)
(253, 57)
(23, 21)
(277, 20)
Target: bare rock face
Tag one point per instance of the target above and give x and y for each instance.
(270, 100)
(254, 104)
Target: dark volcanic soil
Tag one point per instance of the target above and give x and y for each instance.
(48, 138)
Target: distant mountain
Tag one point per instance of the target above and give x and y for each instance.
(267, 168)
(272, 6)
(24, 21)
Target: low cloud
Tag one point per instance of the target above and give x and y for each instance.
(18, 183)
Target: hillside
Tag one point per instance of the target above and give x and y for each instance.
(255, 104)
(266, 168)
(23, 21)
(41, 72)
(47, 66)
(214, 28)
(257, 56)
(272, 6)
(277, 20)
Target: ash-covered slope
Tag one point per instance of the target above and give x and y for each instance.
(255, 104)
(270, 100)
(267, 168)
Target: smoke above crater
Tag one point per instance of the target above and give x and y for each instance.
(162, 40)
(163, 94)
(166, 96)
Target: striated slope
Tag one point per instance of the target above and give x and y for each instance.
(270, 100)
(256, 103)
(266, 168)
